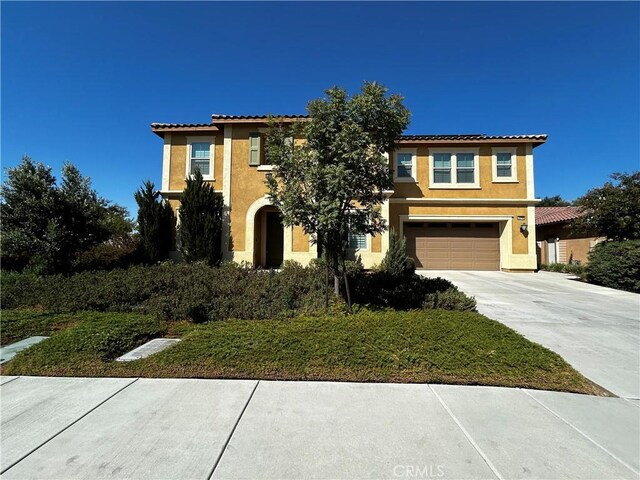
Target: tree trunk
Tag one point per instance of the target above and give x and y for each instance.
(326, 284)
(346, 287)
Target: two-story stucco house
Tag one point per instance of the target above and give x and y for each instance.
(463, 202)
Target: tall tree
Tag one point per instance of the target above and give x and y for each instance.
(613, 210)
(45, 226)
(30, 215)
(555, 201)
(155, 223)
(333, 183)
(200, 221)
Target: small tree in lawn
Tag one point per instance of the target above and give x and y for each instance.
(334, 182)
(613, 210)
(155, 223)
(200, 222)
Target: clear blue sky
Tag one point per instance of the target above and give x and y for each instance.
(83, 81)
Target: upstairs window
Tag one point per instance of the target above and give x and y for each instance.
(504, 165)
(465, 170)
(442, 168)
(201, 158)
(451, 168)
(405, 167)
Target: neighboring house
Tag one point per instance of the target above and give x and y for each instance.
(557, 242)
(464, 202)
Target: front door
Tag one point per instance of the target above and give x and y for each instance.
(275, 240)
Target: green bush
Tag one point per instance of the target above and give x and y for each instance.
(400, 292)
(172, 291)
(200, 293)
(450, 299)
(571, 268)
(615, 265)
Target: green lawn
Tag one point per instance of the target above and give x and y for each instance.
(423, 346)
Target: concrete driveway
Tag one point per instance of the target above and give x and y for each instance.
(83, 428)
(596, 329)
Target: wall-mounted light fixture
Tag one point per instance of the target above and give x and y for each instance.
(524, 228)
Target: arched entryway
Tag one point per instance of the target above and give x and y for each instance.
(268, 234)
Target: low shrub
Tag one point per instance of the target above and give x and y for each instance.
(116, 253)
(403, 292)
(615, 265)
(571, 268)
(201, 293)
(450, 299)
(172, 291)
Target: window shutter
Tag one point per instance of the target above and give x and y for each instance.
(254, 149)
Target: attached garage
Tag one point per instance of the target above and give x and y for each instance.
(454, 246)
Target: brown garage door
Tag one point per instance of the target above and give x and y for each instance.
(454, 246)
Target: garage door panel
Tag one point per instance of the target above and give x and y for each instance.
(463, 247)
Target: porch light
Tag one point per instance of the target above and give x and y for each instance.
(523, 228)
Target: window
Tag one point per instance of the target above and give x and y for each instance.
(454, 168)
(464, 168)
(404, 165)
(442, 168)
(254, 149)
(504, 165)
(357, 241)
(405, 168)
(200, 156)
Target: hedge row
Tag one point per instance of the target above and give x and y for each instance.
(615, 265)
(202, 293)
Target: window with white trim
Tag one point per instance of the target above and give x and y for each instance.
(454, 168)
(405, 165)
(504, 165)
(200, 156)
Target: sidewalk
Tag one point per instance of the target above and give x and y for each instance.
(183, 428)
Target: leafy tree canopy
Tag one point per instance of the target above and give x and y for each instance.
(613, 210)
(555, 201)
(333, 183)
(45, 225)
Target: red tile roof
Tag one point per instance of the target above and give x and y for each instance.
(473, 136)
(549, 215)
(217, 116)
(160, 128)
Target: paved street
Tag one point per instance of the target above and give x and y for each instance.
(72, 428)
(596, 329)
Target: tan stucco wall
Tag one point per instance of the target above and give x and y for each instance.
(247, 185)
(488, 189)
(300, 240)
(178, 161)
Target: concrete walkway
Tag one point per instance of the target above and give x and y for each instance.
(596, 329)
(73, 428)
